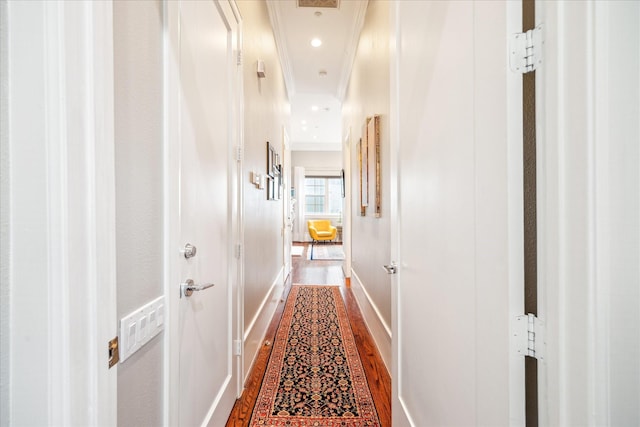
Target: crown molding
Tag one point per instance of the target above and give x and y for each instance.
(351, 49)
(275, 16)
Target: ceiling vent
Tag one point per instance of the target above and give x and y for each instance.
(332, 4)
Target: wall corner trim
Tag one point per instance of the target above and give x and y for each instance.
(379, 329)
(254, 333)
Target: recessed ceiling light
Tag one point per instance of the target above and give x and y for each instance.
(314, 108)
(316, 42)
(315, 136)
(304, 122)
(318, 13)
(322, 73)
(304, 128)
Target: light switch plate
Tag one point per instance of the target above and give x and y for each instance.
(140, 326)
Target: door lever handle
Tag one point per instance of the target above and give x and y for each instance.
(391, 268)
(188, 288)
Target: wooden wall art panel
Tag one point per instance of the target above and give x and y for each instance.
(373, 136)
(362, 177)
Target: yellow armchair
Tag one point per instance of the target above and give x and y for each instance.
(321, 230)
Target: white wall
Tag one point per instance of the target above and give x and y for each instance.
(138, 73)
(368, 95)
(590, 212)
(317, 161)
(266, 112)
(4, 220)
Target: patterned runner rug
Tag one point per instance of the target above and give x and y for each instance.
(314, 376)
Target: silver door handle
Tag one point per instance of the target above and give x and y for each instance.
(391, 268)
(188, 288)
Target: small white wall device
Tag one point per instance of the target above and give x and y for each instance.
(260, 69)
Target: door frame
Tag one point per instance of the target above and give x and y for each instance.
(346, 214)
(398, 408)
(400, 414)
(286, 209)
(581, 106)
(172, 117)
(58, 149)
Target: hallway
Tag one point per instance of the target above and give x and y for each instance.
(310, 273)
(132, 132)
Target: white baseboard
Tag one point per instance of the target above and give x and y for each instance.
(380, 331)
(257, 328)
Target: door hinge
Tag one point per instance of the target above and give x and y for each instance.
(237, 348)
(238, 151)
(238, 251)
(525, 50)
(239, 57)
(529, 336)
(114, 353)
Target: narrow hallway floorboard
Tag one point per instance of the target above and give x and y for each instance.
(309, 273)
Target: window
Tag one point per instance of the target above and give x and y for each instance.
(323, 195)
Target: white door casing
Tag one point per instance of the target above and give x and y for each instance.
(204, 139)
(346, 214)
(287, 225)
(400, 416)
(588, 105)
(58, 214)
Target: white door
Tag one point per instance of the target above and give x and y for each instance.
(287, 213)
(207, 134)
(450, 170)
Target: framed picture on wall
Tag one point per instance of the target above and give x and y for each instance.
(279, 186)
(364, 169)
(361, 179)
(271, 157)
(373, 137)
(271, 188)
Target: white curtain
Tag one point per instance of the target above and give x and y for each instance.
(299, 225)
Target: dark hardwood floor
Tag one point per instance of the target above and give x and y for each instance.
(317, 273)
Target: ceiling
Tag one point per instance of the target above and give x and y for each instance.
(316, 77)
